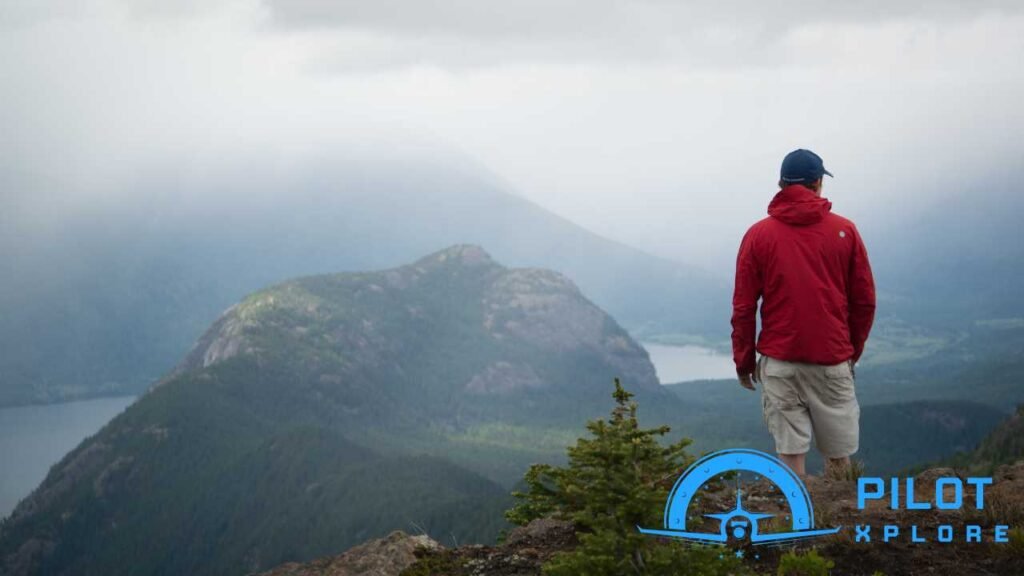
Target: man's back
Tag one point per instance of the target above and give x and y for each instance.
(810, 268)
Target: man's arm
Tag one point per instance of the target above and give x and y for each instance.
(747, 291)
(860, 296)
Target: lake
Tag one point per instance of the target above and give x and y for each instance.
(34, 438)
(683, 363)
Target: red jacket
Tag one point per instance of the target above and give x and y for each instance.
(811, 270)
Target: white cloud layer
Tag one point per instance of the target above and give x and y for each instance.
(654, 122)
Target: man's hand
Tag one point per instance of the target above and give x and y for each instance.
(748, 380)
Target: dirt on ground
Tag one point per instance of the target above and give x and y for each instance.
(527, 548)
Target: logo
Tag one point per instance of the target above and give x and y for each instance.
(842, 234)
(951, 493)
(739, 522)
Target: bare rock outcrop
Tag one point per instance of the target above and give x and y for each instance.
(386, 556)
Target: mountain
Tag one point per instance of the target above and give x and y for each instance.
(978, 362)
(330, 409)
(927, 430)
(1004, 445)
(104, 296)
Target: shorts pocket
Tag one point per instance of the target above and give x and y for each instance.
(837, 387)
(841, 370)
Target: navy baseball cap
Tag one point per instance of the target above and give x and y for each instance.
(802, 166)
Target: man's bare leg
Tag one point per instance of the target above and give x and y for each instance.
(795, 463)
(837, 467)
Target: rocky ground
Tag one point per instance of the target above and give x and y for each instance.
(523, 552)
(382, 556)
(835, 503)
(1004, 505)
(526, 548)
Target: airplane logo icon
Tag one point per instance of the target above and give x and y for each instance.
(739, 523)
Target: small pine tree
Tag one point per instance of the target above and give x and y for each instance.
(616, 480)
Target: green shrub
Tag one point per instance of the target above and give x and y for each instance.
(808, 564)
(1015, 542)
(431, 563)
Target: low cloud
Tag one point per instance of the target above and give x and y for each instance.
(660, 124)
(474, 33)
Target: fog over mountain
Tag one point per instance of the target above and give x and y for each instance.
(659, 125)
(106, 303)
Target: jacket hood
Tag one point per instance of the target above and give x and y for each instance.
(797, 205)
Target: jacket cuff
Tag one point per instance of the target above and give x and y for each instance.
(745, 369)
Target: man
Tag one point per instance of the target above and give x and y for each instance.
(810, 270)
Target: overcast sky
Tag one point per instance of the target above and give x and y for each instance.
(653, 122)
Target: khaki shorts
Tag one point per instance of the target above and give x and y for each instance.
(799, 399)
